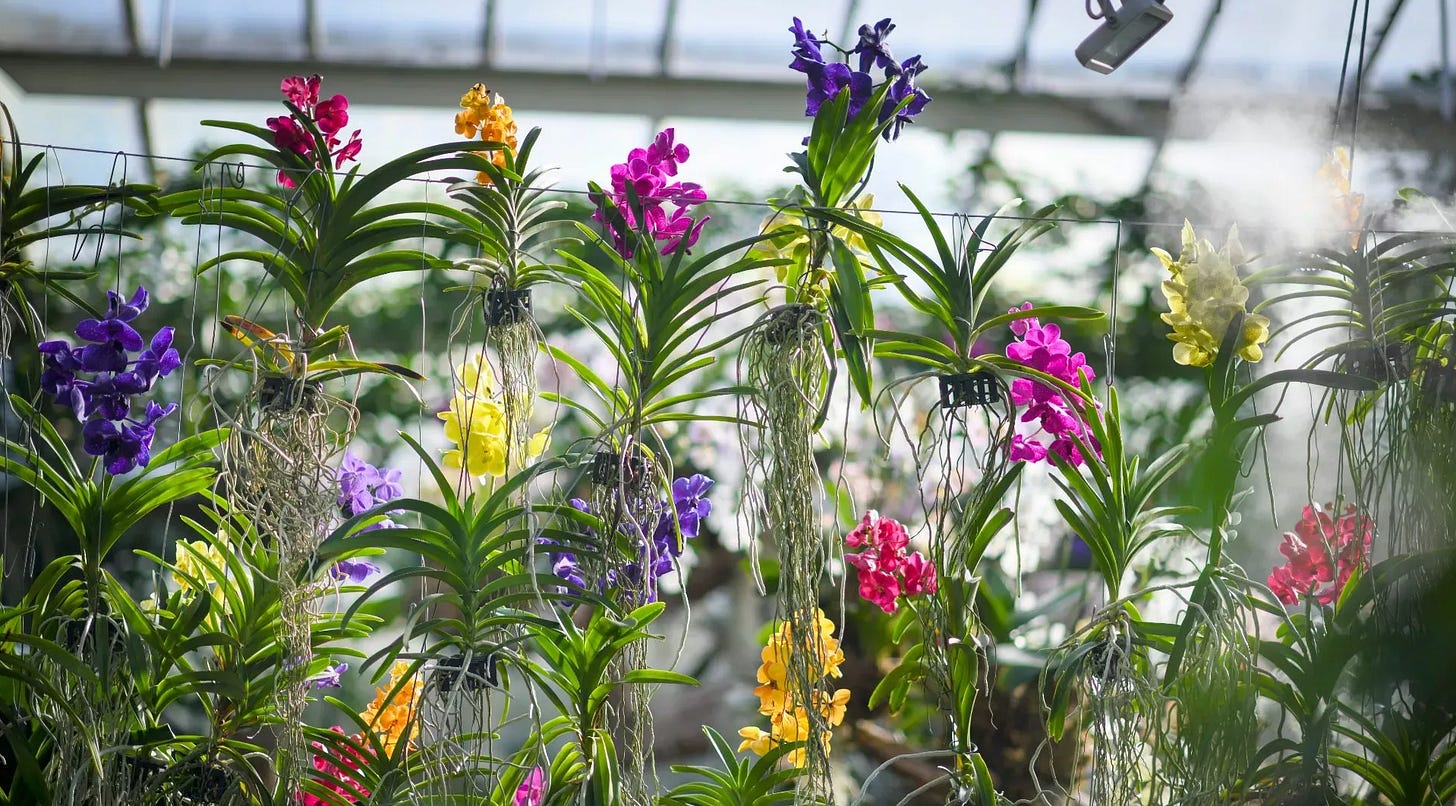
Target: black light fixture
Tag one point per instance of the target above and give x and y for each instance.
(1121, 33)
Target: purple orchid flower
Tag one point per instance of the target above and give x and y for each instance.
(355, 569)
(872, 50)
(330, 677)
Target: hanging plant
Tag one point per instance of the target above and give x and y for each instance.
(70, 646)
(789, 361)
(320, 241)
(651, 304)
(511, 219)
(476, 557)
(29, 217)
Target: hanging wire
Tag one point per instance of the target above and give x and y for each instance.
(239, 166)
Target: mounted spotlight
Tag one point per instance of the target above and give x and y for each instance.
(1122, 32)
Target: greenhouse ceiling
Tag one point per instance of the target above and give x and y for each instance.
(997, 67)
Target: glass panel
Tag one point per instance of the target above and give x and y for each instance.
(749, 38)
(104, 124)
(441, 32)
(78, 25)
(260, 30)
(552, 36)
(962, 41)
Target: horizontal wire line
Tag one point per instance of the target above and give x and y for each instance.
(196, 163)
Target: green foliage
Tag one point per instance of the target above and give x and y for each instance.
(473, 555)
(735, 781)
(514, 218)
(655, 323)
(32, 215)
(573, 668)
(332, 233)
(100, 510)
(1110, 504)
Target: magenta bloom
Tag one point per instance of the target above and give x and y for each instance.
(532, 791)
(886, 572)
(643, 185)
(329, 116)
(1322, 553)
(1042, 348)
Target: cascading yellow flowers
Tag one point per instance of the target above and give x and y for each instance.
(476, 423)
(789, 720)
(391, 714)
(1336, 174)
(198, 561)
(487, 115)
(1204, 294)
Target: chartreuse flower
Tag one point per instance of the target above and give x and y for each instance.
(1204, 295)
(792, 242)
(476, 423)
(789, 720)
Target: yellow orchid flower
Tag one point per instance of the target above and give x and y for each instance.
(1204, 295)
(476, 423)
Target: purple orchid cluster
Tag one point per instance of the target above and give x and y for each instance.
(656, 555)
(650, 172)
(329, 116)
(1042, 348)
(362, 487)
(828, 79)
(103, 402)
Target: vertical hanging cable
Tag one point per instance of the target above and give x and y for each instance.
(1448, 96)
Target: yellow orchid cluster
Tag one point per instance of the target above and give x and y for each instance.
(789, 720)
(476, 423)
(1204, 294)
(795, 246)
(1336, 174)
(487, 115)
(199, 560)
(393, 717)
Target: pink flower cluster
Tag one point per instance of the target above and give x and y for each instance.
(1322, 550)
(532, 791)
(339, 782)
(649, 173)
(329, 116)
(886, 572)
(1042, 348)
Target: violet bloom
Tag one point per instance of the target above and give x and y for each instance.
(355, 570)
(872, 50)
(103, 401)
(901, 89)
(806, 47)
(654, 555)
(127, 444)
(363, 486)
(826, 81)
(356, 484)
(330, 677)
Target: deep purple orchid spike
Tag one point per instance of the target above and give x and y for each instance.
(872, 50)
(806, 47)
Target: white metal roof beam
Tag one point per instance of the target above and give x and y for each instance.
(652, 96)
